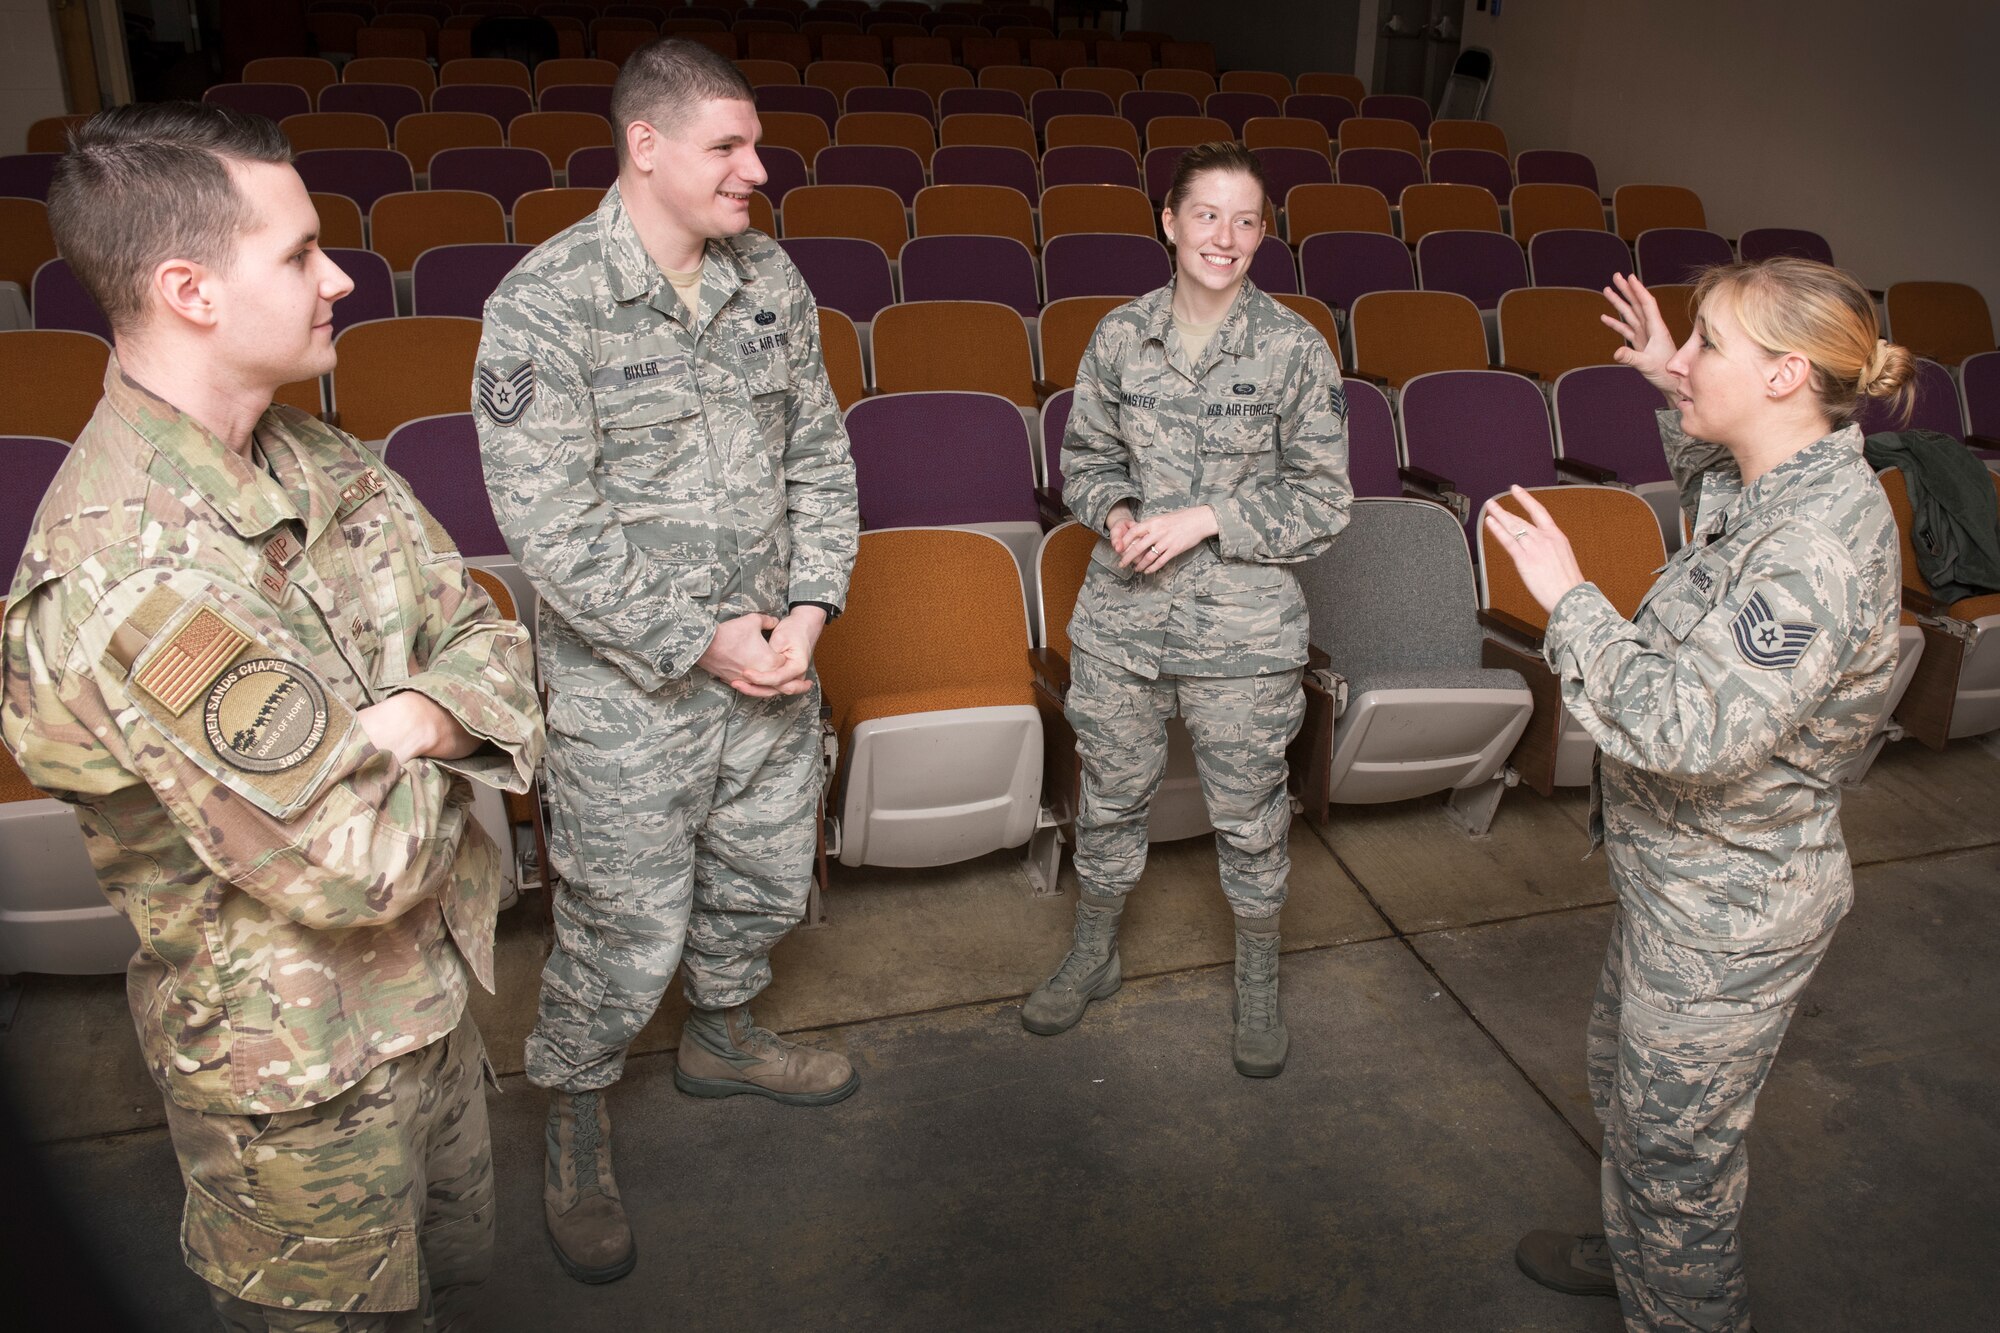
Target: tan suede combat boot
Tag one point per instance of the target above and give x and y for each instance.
(580, 1202)
(1261, 1043)
(723, 1053)
(1089, 971)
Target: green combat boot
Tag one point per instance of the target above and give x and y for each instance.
(1261, 1040)
(723, 1053)
(1089, 971)
(580, 1203)
(1577, 1265)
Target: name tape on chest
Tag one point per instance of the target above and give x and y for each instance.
(1765, 641)
(504, 391)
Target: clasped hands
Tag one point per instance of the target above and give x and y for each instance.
(763, 656)
(1147, 544)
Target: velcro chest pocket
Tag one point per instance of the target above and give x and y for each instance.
(650, 437)
(1684, 598)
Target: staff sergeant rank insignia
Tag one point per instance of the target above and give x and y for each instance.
(1765, 641)
(264, 715)
(504, 393)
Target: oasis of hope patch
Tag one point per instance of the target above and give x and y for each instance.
(265, 715)
(1765, 641)
(505, 391)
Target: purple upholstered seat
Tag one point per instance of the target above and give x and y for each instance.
(1399, 106)
(59, 301)
(936, 459)
(388, 102)
(1577, 257)
(1478, 265)
(971, 268)
(1390, 170)
(1473, 166)
(275, 100)
(504, 173)
(1339, 266)
(909, 101)
(887, 165)
(1936, 406)
(593, 168)
(365, 174)
(800, 97)
(1325, 108)
(1371, 441)
(1769, 242)
(981, 102)
(1089, 164)
(1678, 254)
(845, 274)
(1103, 264)
(1286, 167)
(439, 457)
(1482, 430)
(980, 164)
(1274, 268)
(1141, 106)
(591, 98)
(1555, 166)
(31, 463)
(1050, 102)
(1233, 109)
(502, 101)
(1607, 416)
(457, 279)
(374, 294)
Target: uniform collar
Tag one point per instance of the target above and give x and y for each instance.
(635, 275)
(1231, 336)
(243, 494)
(1805, 466)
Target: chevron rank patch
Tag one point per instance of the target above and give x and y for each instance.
(1336, 398)
(186, 664)
(1765, 641)
(505, 391)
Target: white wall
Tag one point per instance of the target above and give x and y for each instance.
(1877, 125)
(31, 82)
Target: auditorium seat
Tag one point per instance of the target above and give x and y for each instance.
(927, 679)
(1770, 242)
(334, 129)
(1236, 109)
(1545, 331)
(1637, 209)
(362, 174)
(1311, 209)
(307, 72)
(972, 268)
(505, 173)
(1935, 406)
(1472, 166)
(1399, 335)
(840, 350)
(1535, 207)
(1390, 170)
(387, 102)
(802, 132)
(846, 274)
(1448, 135)
(1679, 254)
(799, 98)
(974, 210)
(1380, 132)
(1415, 111)
(1586, 257)
(1429, 208)
(396, 370)
(273, 101)
(1555, 166)
(411, 72)
(995, 130)
(890, 129)
(864, 212)
(1099, 264)
(975, 346)
(1374, 461)
(1607, 416)
(1398, 703)
(1481, 266)
(1954, 690)
(540, 214)
(1287, 132)
(1329, 111)
(457, 279)
(974, 164)
(1068, 209)
(1618, 547)
(1065, 330)
(1270, 83)
(50, 381)
(1945, 321)
(1336, 85)
(61, 302)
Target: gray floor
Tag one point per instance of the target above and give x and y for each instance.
(1123, 1177)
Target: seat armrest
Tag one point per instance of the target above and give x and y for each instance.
(1522, 371)
(1511, 627)
(1379, 381)
(1051, 670)
(1047, 389)
(1587, 472)
(1918, 602)
(1426, 485)
(1050, 509)
(1982, 442)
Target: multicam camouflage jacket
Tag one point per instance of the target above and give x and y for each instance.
(188, 641)
(1258, 431)
(655, 474)
(1755, 670)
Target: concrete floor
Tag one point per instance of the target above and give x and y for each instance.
(1123, 1177)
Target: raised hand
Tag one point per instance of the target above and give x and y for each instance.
(1541, 552)
(1648, 345)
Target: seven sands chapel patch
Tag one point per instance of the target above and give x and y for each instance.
(264, 715)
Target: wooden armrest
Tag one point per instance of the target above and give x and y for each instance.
(1379, 381)
(1522, 371)
(1430, 481)
(1047, 389)
(1982, 442)
(1917, 602)
(1512, 626)
(1049, 507)
(1316, 658)
(1051, 669)
(1589, 472)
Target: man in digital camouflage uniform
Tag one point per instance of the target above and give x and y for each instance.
(1724, 713)
(1246, 418)
(667, 462)
(258, 671)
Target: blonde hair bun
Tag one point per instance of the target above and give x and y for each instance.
(1888, 368)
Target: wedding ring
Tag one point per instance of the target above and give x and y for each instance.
(1520, 533)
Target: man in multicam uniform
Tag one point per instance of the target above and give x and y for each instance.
(1208, 443)
(1724, 713)
(256, 667)
(667, 462)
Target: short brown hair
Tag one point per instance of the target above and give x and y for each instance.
(149, 182)
(1823, 314)
(1204, 158)
(664, 81)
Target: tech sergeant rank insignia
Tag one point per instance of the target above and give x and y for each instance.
(265, 715)
(505, 393)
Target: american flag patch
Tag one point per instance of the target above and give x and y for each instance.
(198, 652)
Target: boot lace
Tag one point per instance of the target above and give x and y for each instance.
(1257, 985)
(589, 1141)
(1091, 947)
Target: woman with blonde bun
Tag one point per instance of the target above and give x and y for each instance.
(1723, 713)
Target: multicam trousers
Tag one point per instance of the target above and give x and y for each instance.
(1680, 1042)
(368, 1213)
(682, 818)
(1240, 726)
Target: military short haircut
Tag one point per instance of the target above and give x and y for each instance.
(664, 82)
(149, 182)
